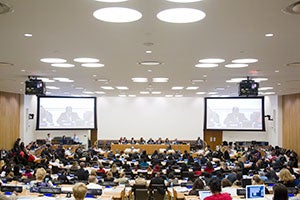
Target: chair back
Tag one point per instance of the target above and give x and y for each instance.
(141, 194)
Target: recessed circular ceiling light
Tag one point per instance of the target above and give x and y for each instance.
(160, 80)
(111, 1)
(28, 35)
(260, 79)
(235, 80)
(265, 88)
(269, 34)
(52, 87)
(92, 65)
(181, 15)
(53, 60)
(140, 80)
(117, 15)
(212, 60)
(65, 65)
(206, 65)
(150, 63)
(246, 60)
(86, 60)
(47, 80)
(184, 1)
(236, 65)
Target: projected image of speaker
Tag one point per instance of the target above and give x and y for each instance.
(35, 87)
(248, 88)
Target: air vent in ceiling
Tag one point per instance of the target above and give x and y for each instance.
(4, 7)
(293, 8)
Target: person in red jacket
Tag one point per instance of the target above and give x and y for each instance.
(215, 188)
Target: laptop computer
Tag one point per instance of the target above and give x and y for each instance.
(255, 192)
(203, 194)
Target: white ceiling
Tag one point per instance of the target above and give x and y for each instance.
(232, 29)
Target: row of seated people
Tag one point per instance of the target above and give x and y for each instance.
(171, 167)
(199, 143)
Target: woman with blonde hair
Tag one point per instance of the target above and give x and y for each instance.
(286, 178)
(39, 180)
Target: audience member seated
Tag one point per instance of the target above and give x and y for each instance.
(92, 182)
(39, 181)
(150, 141)
(79, 191)
(122, 179)
(82, 174)
(140, 180)
(280, 192)
(216, 190)
(109, 177)
(198, 185)
(286, 178)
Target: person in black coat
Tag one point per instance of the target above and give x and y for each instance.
(82, 174)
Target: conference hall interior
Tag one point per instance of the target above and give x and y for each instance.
(149, 99)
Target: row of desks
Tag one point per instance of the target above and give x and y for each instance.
(149, 148)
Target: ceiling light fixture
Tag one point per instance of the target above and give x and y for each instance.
(144, 92)
(269, 34)
(265, 88)
(260, 79)
(53, 60)
(86, 60)
(206, 65)
(184, 1)
(122, 88)
(92, 65)
(236, 65)
(181, 15)
(201, 93)
(192, 88)
(63, 65)
(177, 88)
(117, 14)
(212, 60)
(122, 95)
(197, 81)
(245, 60)
(99, 92)
(140, 80)
(156, 92)
(111, 1)
(107, 88)
(160, 80)
(47, 80)
(150, 63)
(28, 35)
(52, 87)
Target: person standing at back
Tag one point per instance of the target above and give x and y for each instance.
(48, 139)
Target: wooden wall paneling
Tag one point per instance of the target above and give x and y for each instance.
(291, 122)
(9, 119)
